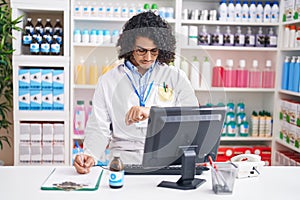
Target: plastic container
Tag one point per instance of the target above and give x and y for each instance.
(231, 11)
(259, 12)
(267, 12)
(291, 73)
(223, 11)
(249, 38)
(297, 76)
(93, 72)
(206, 74)
(242, 75)
(252, 12)
(195, 73)
(238, 11)
(204, 37)
(230, 74)
(116, 172)
(239, 38)
(243, 129)
(286, 35)
(268, 76)
(292, 37)
(285, 73)
(217, 38)
(223, 177)
(254, 75)
(275, 12)
(245, 12)
(260, 38)
(218, 74)
(228, 37)
(88, 111)
(80, 75)
(185, 67)
(271, 39)
(79, 118)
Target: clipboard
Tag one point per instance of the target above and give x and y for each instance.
(67, 179)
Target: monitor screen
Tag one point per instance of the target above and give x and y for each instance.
(174, 133)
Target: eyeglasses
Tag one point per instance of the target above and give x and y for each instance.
(141, 51)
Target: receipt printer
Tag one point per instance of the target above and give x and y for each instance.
(249, 165)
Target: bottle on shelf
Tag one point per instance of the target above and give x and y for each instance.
(259, 12)
(27, 35)
(286, 35)
(254, 75)
(271, 39)
(230, 11)
(267, 12)
(229, 74)
(242, 75)
(297, 38)
(206, 74)
(285, 73)
(48, 26)
(252, 12)
(239, 37)
(292, 36)
(275, 12)
(245, 12)
(80, 75)
(39, 26)
(93, 72)
(228, 37)
(260, 38)
(223, 11)
(218, 74)
(204, 37)
(238, 11)
(249, 38)
(185, 67)
(79, 118)
(254, 124)
(45, 46)
(268, 76)
(195, 73)
(116, 172)
(34, 46)
(291, 72)
(78, 9)
(55, 46)
(58, 29)
(217, 38)
(48, 36)
(88, 111)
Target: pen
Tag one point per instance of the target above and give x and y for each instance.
(165, 87)
(79, 153)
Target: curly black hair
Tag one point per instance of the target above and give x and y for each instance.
(148, 24)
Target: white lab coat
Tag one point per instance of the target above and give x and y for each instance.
(113, 98)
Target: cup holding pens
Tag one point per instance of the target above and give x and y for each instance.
(223, 178)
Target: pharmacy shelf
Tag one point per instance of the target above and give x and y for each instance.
(78, 137)
(291, 22)
(94, 45)
(229, 48)
(41, 115)
(290, 49)
(297, 94)
(246, 138)
(221, 23)
(47, 61)
(88, 87)
(287, 145)
(109, 19)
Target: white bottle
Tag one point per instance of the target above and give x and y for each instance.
(117, 10)
(101, 10)
(132, 10)
(124, 11)
(275, 12)
(239, 37)
(78, 9)
(184, 66)
(77, 36)
(267, 12)
(292, 37)
(245, 12)
(109, 10)
(228, 37)
(85, 37)
(286, 35)
(238, 11)
(252, 12)
(86, 9)
(230, 11)
(223, 11)
(106, 37)
(259, 12)
(195, 73)
(206, 74)
(297, 38)
(94, 9)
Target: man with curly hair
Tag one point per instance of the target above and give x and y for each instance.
(124, 95)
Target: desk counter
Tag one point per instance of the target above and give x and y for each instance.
(275, 183)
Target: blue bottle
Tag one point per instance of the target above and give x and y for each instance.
(296, 76)
(291, 73)
(285, 73)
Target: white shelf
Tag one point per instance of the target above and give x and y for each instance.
(291, 49)
(207, 22)
(297, 94)
(246, 139)
(109, 19)
(287, 145)
(77, 137)
(88, 87)
(291, 22)
(94, 45)
(51, 61)
(41, 115)
(229, 48)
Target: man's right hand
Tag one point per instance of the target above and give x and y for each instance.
(83, 163)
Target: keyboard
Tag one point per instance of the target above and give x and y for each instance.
(169, 170)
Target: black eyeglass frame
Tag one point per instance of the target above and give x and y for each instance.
(140, 51)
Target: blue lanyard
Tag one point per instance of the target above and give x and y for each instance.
(142, 101)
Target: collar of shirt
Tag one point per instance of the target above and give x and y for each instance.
(140, 81)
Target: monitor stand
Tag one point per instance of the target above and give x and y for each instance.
(187, 180)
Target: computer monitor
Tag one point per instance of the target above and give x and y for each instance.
(187, 135)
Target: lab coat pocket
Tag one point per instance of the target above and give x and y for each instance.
(165, 96)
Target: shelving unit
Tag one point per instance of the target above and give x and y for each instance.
(280, 145)
(30, 148)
